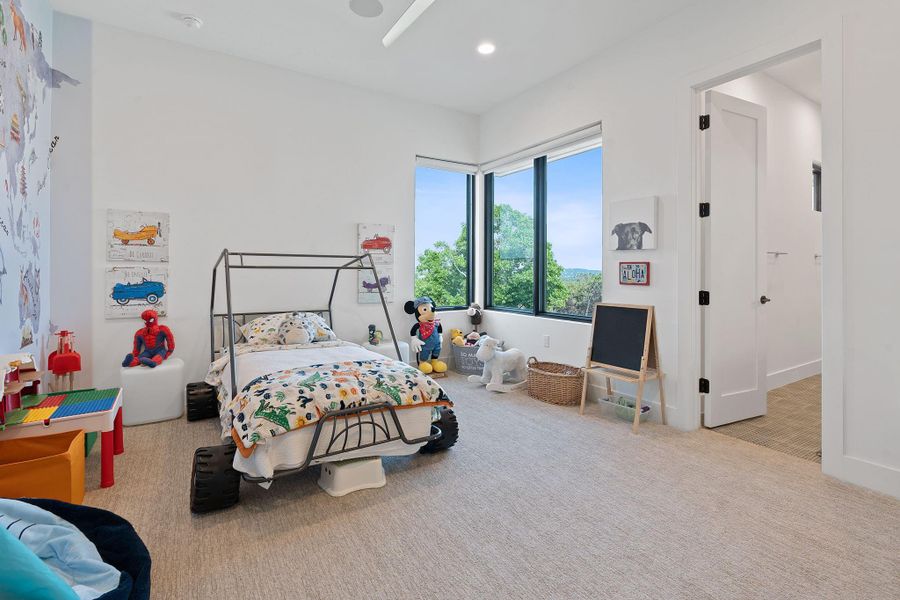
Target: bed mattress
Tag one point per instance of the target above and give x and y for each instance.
(290, 449)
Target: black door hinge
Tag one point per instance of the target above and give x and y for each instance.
(704, 122)
(704, 385)
(704, 298)
(704, 209)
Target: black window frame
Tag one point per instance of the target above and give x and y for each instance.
(539, 164)
(470, 240)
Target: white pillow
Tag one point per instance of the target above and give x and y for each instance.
(264, 330)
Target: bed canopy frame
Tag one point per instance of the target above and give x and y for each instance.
(266, 261)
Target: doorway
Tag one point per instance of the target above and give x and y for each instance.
(761, 257)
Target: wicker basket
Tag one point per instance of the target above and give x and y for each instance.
(554, 382)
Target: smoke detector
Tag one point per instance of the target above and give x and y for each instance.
(191, 21)
(366, 8)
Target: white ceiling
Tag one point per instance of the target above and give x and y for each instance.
(802, 74)
(434, 61)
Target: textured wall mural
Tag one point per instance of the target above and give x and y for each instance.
(25, 151)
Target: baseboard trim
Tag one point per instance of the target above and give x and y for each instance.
(790, 375)
(866, 473)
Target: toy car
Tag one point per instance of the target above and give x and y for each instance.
(147, 233)
(147, 291)
(378, 242)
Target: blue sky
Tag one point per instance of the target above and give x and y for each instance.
(440, 206)
(574, 201)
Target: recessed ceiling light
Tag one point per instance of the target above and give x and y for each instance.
(366, 8)
(192, 21)
(486, 48)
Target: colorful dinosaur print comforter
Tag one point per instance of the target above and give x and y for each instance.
(291, 399)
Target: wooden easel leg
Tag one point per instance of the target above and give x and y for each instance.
(638, 402)
(584, 389)
(662, 399)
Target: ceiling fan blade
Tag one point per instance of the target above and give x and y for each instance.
(409, 17)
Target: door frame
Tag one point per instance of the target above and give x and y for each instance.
(827, 35)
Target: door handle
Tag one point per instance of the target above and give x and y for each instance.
(764, 300)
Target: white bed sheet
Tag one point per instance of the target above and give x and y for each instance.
(289, 450)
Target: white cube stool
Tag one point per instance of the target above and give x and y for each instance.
(151, 395)
(386, 348)
(340, 478)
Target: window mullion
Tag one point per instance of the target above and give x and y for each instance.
(540, 234)
(470, 239)
(488, 239)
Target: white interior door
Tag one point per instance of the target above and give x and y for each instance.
(734, 260)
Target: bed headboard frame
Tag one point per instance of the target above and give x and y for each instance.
(265, 260)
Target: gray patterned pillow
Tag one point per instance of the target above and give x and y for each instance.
(293, 330)
(318, 329)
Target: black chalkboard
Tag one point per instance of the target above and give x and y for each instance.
(619, 335)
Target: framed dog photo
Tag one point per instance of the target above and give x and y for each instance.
(634, 224)
(634, 273)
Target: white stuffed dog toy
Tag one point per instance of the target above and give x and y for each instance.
(498, 364)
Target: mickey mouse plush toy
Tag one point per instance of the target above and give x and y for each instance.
(426, 335)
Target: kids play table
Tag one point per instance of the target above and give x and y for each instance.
(89, 410)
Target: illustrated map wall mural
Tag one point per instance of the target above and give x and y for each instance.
(26, 147)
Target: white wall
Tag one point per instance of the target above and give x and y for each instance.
(71, 187)
(794, 317)
(252, 158)
(639, 90)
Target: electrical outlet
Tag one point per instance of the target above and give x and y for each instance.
(546, 341)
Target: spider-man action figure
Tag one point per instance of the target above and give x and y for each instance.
(152, 344)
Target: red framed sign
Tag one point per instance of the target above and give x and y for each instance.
(634, 273)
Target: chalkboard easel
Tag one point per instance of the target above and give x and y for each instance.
(624, 347)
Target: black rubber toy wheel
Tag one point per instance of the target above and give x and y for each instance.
(201, 401)
(214, 482)
(449, 433)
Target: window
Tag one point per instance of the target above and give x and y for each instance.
(544, 235)
(574, 276)
(443, 243)
(513, 240)
(817, 187)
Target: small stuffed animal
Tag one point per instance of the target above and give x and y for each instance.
(375, 335)
(504, 370)
(152, 344)
(425, 335)
(456, 337)
(472, 338)
(475, 313)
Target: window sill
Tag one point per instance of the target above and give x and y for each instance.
(542, 315)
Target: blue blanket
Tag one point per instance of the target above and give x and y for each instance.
(61, 547)
(116, 541)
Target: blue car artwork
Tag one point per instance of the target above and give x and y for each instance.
(147, 291)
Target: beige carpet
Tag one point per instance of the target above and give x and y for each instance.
(792, 424)
(534, 502)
